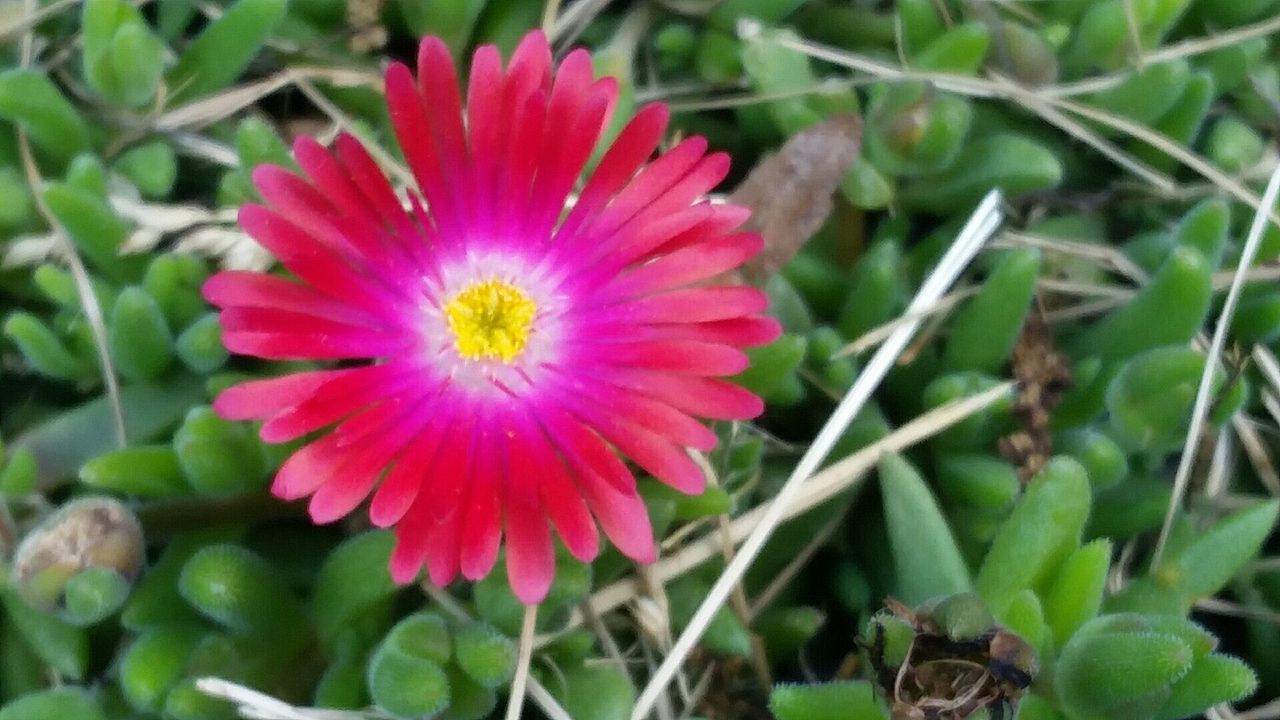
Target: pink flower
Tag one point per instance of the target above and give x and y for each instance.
(516, 344)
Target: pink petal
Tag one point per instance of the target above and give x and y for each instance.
(373, 186)
(482, 522)
(413, 131)
(275, 319)
(632, 241)
(312, 261)
(634, 145)
(652, 180)
(442, 549)
(531, 562)
(680, 356)
(485, 126)
(634, 407)
(622, 516)
(343, 395)
(355, 478)
(651, 451)
(407, 479)
(310, 467)
(260, 399)
(438, 84)
(582, 449)
(575, 117)
(241, 288)
(520, 164)
(327, 172)
(700, 396)
(312, 346)
(691, 305)
(690, 264)
(532, 463)
(549, 197)
(740, 332)
(412, 536)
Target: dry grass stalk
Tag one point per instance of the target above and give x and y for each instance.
(1204, 396)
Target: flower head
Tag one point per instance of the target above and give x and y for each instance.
(515, 344)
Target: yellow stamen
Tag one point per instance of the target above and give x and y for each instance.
(490, 319)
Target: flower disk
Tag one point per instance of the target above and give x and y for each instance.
(490, 319)
(503, 348)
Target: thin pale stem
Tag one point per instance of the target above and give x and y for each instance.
(1204, 396)
(515, 703)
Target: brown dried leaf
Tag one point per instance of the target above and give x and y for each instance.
(789, 193)
(1043, 375)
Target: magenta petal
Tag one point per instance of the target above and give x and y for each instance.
(404, 483)
(413, 131)
(690, 264)
(463, 455)
(442, 549)
(410, 552)
(582, 449)
(355, 478)
(634, 145)
(680, 356)
(622, 516)
(651, 451)
(351, 391)
(260, 399)
(482, 522)
(531, 562)
(700, 396)
(531, 462)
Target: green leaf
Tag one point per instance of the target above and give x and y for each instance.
(224, 49)
(218, 457)
(985, 328)
(353, 579)
(149, 471)
(847, 699)
(238, 589)
(1167, 311)
(65, 702)
(138, 336)
(598, 692)
(927, 562)
(1076, 594)
(31, 100)
(1119, 675)
(154, 664)
(1044, 528)
(60, 645)
(486, 655)
(67, 440)
(1212, 679)
(405, 685)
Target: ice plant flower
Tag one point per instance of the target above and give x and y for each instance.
(516, 345)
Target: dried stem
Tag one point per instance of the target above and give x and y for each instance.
(1204, 395)
(515, 702)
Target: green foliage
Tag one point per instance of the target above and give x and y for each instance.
(1043, 529)
(596, 692)
(484, 654)
(926, 560)
(984, 330)
(68, 702)
(223, 49)
(405, 681)
(850, 699)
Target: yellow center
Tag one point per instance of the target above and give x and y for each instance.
(490, 319)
